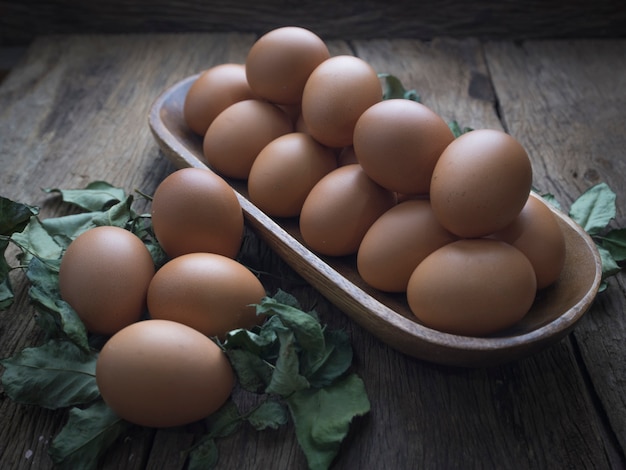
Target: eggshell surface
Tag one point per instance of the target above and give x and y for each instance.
(337, 92)
(398, 143)
(104, 276)
(239, 133)
(480, 183)
(285, 171)
(195, 210)
(397, 242)
(280, 62)
(213, 91)
(160, 373)
(537, 234)
(472, 287)
(208, 292)
(340, 209)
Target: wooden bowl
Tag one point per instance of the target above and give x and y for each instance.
(554, 313)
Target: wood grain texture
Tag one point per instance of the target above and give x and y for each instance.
(75, 109)
(565, 102)
(512, 19)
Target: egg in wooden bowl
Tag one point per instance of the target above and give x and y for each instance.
(552, 310)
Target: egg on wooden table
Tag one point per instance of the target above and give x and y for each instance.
(160, 373)
(195, 210)
(211, 293)
(104, 276)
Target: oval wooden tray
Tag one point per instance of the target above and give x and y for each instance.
(553, 315)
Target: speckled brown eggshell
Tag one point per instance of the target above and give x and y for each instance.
(337, 92)
(472, 287)
(213, 91)
(210, 293)
(280, 62)
(398, 143)
(537, 234)
(160, 373)
(239, 133)
(397, 242)
(195, 210)
(340, 209)
(104, 276)
(285, 171)
(480, 183)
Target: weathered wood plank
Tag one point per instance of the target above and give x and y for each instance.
(21, 21)
(565, 101)
(75, 110)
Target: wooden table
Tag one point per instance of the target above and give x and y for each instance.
(75, 108)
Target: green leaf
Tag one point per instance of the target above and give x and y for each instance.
(35, 241)
(14, 216)
(322, 418)
(615, 242)
(86, 437)
(55, 375)
(609, 265)
(65, 229)
(286, 378)
(306, 328)
(44, 292)
(224, 422)
(256, 343)
(204, 455)
(336, 359)
(254, 374)
(594, 209)
(119, 215)
(6, 290)
(95, 197)
(270, 414)
(393, 89)
(456, 129)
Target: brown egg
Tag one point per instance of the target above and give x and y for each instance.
(398, 143)
(194, 210)
(104, 276)
(212, 92)
(239, 133)
(340, 209)
(210, 293)
(285, 171)
(472, 287)
(480, 183)
(280, 62)
(338, 91)
(160, 373)
(537, 234)
(397, 242)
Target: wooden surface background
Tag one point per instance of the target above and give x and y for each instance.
(74, 109)
(21, 21)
